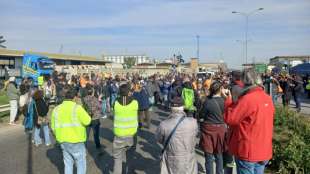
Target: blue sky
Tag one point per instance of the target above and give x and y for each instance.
(158, 28)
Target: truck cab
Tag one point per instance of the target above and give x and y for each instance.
(35, 66)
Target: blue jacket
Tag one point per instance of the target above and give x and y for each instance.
(28, 121)
(143, 99)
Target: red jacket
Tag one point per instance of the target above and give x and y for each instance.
(251, 123)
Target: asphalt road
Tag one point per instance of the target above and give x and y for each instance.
(20, 156)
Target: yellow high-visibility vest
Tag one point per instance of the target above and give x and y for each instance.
(40, 80)
(69, 121)
(125, 119)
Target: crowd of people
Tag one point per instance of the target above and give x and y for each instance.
(231, 114)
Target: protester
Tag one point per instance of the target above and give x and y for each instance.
(92, 106)
(68, 122)
(103, 94)
(178, 136)
(40, 109)
(13, 95)
(49, 90)
(24, 97)
(141, 95)
(251, 123)
(213, 129)
(297, 91)
(236, 85)
(276, 89)
(286, 85)
(308, 87)
(113, 93)
(125, 128)
(188, 96)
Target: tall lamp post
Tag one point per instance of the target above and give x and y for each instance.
(246, 15)
(197, 36)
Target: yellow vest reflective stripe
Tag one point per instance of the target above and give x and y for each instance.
(75, 121)
(125, 119)
(68, 121)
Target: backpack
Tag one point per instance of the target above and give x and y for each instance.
(188, 98)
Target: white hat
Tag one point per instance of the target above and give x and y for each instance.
(12, 79)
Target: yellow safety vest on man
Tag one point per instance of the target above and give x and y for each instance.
(68, 122)
(125, 119)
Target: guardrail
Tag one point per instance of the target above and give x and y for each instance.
(4, 108)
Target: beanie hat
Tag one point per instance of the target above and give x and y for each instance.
(177, 102)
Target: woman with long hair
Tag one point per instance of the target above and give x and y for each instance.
(40, 110)
(213, 129)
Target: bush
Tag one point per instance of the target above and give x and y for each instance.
(3, 98)
(291, 143)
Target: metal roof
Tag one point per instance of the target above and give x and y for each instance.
(20, 53)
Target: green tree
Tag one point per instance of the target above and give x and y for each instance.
(129, 62)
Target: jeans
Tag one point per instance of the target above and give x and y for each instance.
(13, 110)
(74, 153)
(36, 136)
(275, 98)
(104, 106)
(108, 109)
(209, 163)
(297, 100)
(113, 98)
(122, 145)
(95, 126)
(245, 167)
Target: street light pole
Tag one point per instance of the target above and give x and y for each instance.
(198, 45)
(246, 38)
(246, 15)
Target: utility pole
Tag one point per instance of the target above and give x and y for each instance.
(198, 45)
(246, 15)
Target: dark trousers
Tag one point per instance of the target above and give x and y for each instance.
(297, 100)
(286, 99)
(95, 126)
(144, 118)
(209, 163)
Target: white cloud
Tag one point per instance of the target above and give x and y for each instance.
(163, 27)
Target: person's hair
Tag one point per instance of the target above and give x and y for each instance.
(215, 87)
(38, 94)
(89, 89)
(69, 92)
(250, 77)
(124, 90)
(236, 75)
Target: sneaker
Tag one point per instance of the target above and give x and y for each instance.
(48, 144)
(104, 116)
(231, 165)
(12, 123)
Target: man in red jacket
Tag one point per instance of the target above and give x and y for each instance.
(251, 123)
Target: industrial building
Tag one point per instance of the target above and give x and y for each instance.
(13, 58)
(289, 60)
(139, 59)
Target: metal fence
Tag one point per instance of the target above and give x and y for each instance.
(4, 108)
